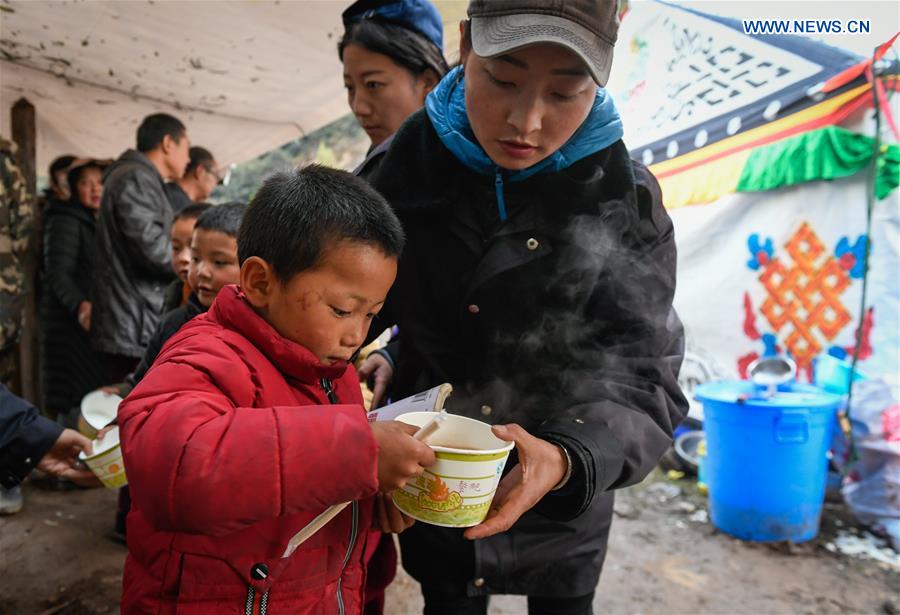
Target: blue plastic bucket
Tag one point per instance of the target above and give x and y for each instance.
(766, 458)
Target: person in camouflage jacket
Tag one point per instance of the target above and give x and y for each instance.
(15, 231)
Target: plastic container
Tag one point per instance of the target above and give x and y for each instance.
(766, 458)
(457, 490)
(107, 462)
(833, 374)
(702, 487)
(97, 410)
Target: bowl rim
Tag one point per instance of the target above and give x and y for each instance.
(462, 451)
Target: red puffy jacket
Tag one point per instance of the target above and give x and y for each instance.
(231, 446)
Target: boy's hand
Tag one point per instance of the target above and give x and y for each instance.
(388, 517)
(400, 456)
(541, 466)
(377, 373)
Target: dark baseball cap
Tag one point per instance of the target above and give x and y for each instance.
(586, 27)
(418, 15)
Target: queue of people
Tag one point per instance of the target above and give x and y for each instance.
(497, 221)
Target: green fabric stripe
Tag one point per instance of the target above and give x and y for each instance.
(824, 154)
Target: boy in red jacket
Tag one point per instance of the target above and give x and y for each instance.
(250, 422)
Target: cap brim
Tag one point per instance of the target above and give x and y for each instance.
(494, 36)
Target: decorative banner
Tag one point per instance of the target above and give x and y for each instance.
(786, 266)
(694, 79)
(747, 126)
(711, 110)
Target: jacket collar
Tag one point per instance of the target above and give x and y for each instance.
(133, 157)
(70, 208)
(446, 107)
(232, 311)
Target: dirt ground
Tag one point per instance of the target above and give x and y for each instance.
(58, 557)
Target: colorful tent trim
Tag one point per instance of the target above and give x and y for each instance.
(825, 154)
(722, 102)
(740, 163)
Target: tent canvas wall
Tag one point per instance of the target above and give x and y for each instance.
(765, 172)
(245, 77)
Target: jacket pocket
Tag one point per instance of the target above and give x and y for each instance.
(206, 578)
(309, 569)
(212, 585)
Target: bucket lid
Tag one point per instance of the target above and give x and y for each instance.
(792, 395)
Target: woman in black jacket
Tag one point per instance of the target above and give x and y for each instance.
(69, 366)
(538, 279)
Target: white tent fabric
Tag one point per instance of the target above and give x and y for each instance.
(243, 76)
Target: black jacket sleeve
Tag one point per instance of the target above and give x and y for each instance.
(624, 380)
(144, 229)
(61, 261)
(168, 326)
(153, 347)
(25, 437)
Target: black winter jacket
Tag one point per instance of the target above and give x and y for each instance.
(133, 261)
(70, 367)
(169, 326)
(559, 319)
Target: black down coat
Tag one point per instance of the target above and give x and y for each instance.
(133, 256)
(69, 365)
(559, 319)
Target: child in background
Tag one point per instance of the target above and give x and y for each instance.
(250, 423)
(182, 226)
(213, 264)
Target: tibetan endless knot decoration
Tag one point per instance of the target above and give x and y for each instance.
(804, 297)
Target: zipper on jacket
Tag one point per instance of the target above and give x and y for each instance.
(501, 202)
(329, 390)
(354, 526)
(256, 604)
(353, 535)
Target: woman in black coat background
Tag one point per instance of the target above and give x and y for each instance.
(69, 367)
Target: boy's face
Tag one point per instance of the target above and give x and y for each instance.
(327, 309)
(181, 246)
(214, 264)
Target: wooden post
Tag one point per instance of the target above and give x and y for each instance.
(24, 133)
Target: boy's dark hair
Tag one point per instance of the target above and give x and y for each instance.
(155, 127)
(199, 156)
(191, 212)
(405, 47)
(225, 218)
(296, 216)
(60, 163)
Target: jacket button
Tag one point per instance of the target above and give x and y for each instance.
(486, 410)
(479, 582)
(474, 309)
(259, 572)
(532, 244)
